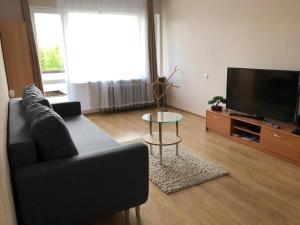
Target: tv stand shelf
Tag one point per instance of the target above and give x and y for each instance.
(257, 134)
(245, 129)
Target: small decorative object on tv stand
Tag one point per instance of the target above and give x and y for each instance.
(215, 103)
(257, 134)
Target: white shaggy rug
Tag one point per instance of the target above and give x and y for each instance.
(180, 172)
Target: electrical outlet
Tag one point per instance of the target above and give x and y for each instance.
(205, 76)
(12, 93)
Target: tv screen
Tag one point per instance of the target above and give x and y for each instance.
(272, 94)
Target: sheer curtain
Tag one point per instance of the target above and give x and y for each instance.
(106, 52)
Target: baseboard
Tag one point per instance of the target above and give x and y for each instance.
(184, 110)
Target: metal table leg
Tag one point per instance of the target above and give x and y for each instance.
(160, 142)
(177, 134)
(150, 127)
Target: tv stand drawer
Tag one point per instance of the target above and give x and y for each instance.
(218, 122)
(281, 143)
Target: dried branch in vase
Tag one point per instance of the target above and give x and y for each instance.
(165, 86)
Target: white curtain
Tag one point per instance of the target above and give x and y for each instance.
(106, 52)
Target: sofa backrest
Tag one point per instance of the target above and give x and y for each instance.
(49, 131)
(20, 146)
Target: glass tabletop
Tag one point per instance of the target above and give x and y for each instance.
(163, 117)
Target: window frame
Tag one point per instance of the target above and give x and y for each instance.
(46, 10)
(158, 35)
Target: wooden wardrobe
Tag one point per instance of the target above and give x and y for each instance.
(17, 57)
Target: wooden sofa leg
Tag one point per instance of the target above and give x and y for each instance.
(138, 211)
(126, 216)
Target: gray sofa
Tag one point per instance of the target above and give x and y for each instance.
(104, 177)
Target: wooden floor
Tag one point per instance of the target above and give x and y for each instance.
(260, 190)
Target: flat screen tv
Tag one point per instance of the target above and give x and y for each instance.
(271, 94)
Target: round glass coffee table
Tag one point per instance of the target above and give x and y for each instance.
(161, 138)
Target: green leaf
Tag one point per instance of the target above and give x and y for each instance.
(217, 100)
(50, 59)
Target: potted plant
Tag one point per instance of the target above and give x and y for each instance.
(215, 103)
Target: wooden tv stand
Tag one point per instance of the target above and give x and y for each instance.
(257, 134)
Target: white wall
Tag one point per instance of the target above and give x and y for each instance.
(207, 36)
(7, 213)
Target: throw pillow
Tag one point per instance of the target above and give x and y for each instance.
(32, 94)
(31, 110)
(49, 131)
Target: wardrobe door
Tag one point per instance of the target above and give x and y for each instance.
(17, 57)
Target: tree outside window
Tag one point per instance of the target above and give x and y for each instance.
(51, 60)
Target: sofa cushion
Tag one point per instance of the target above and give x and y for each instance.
(87, 136)
(32, 94)
(50, 133)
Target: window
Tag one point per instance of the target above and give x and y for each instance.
(104, 47)
(99, 46)
(50, 41)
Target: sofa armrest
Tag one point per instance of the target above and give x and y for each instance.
(67, 108)
(84, 187)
